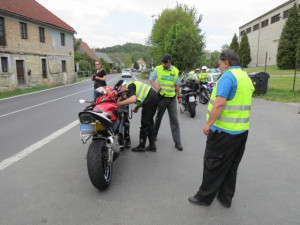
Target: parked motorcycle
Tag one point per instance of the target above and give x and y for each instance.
(205, 92)
(188, 93)
(108, 126)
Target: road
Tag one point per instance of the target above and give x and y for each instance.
(51, 185)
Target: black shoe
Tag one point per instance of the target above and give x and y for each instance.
(150, 148)
(138, 149)
(127, 143)
(178, 146)
(225, 204)
(197, 201)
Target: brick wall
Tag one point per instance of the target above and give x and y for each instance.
(31, 51)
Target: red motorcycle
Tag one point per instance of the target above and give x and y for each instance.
(108, 126)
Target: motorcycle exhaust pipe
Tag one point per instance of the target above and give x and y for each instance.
(109, 141)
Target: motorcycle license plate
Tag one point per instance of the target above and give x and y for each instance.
(86, 129)
(191, 98)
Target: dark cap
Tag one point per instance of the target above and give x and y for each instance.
(118, 84)
(166, 58)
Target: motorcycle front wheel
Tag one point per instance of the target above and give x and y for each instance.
(203, 97)
(100, 172)
(192, 109)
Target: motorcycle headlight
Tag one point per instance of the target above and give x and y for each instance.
(86, 118)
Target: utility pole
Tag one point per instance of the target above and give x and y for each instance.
(296, 66)
(266, 62)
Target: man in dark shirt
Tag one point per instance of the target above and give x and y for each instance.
(143, 96)
(99, 78)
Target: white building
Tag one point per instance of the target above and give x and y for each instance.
(264, 34)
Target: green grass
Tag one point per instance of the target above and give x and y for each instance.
(284, 82)
(280, 89)
(280, 95)
(144, 75)
(79, 79)
(272, 70)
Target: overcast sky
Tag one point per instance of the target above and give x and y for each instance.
(105, 23)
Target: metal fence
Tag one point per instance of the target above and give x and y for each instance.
(82, 74)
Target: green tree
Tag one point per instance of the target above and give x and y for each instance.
(212, 62)
(85, 66)
(179, 41)
(244, 51)
(86, 63)
(76, 43)
(128, 61)
(118, 53)
(225, 47)
(234, 45)
(136, 65)
(105, 65)
(286, 54)
(160, 34)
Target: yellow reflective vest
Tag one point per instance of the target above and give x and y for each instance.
(235, 115)
(141, 91)
(192, 75)
(166, 80)
(203, 75)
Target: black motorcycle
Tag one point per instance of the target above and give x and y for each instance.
(204, 93)
(189, 93)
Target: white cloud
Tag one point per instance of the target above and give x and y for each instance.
(95, 24)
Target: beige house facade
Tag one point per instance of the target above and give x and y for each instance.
(34, 52)
(264, 34)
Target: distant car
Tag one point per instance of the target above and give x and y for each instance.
(213, 70)
(126, 72)
(213, 76)
(139, 71)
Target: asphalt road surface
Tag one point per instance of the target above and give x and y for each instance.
(51, 185)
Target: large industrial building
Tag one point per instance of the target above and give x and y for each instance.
(264, 34)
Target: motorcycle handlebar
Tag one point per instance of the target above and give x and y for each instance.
(120, 94)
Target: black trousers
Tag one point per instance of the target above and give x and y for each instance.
(222, 156)
(148, 112)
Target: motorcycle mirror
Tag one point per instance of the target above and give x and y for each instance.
(82, 101)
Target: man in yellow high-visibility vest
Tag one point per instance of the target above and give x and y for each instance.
(143, 96)
(227, 131)
(167, 88)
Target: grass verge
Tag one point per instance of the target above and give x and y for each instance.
(280, 95)
(144, 75)
(26, 91)
(272, 70)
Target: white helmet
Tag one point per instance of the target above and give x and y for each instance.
(204, 67)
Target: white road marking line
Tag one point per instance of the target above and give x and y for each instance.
(50, 89)
(20, 155)
(27, 151)
(7, 114)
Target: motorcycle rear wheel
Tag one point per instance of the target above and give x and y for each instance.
(192, 109)
(100, 172)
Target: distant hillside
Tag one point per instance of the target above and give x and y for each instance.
(126, 48)
(128, 53)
